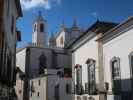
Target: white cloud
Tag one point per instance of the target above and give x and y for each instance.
(29, 4)
(94, 14)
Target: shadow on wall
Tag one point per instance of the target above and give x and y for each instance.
(123, 89)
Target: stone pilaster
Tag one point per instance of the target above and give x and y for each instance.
(101, 70)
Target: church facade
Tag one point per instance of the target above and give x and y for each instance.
(65, 36)
(38, 61)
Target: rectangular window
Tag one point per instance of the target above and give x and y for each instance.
(31, 94)
(68, 88)
(35, 28)
(32, 87)
(38, 94)
(132, 71)
(39, 82)
(1, 40)
(131, 65)
(7, 7)
(20, 91)
(9, 68)
(57, 92)
(12, 24)
(41, 28)
(131, 68)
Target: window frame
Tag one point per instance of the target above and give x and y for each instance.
(112, 60)
(115, 90)
(57, 92)
(38, 94)
(8, 7)
(68, 88)
(130, 64)
(91, 63)
(42, 63)
(131, 68)
(41, 27)
(78, 72)
(12, 24)
(35, 27)
(39, 82)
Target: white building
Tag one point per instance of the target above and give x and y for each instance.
(19, 84)
(85, 63)
(33, 60)
(51, 86)
(38, 88)
(59, 85)
(118, 61)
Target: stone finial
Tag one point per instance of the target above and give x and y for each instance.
(74, 22)
(39, 16)
(62, 25)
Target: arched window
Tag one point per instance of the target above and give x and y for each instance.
(61, 40)
(78, 72)
(115, 66)
(91, 76)
(131, 66)
(116, 74)
(41, 28)
(35, 27)
(42, 63)
(131, 63)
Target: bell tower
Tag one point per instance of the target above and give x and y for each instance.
(39, 35)
(75, 29)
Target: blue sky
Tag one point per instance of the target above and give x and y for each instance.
(85, 11)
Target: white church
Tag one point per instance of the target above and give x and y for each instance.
(102, 62)
(46, 62)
